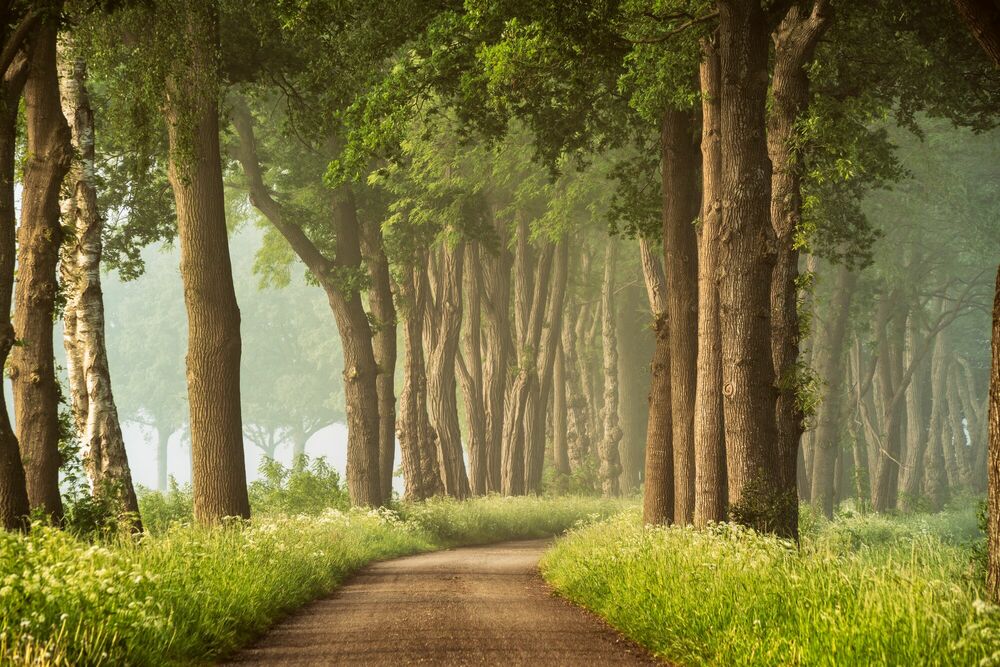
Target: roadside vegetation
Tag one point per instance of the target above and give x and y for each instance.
(184, 594)
(862, 589)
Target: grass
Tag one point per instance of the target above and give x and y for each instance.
(184, 594)
(862, 590)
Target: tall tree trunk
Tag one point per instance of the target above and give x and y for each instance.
(534, 454)
(578, 437)
(983, 20)
(419, 453)
(961, 452)
(14, 507)
(746, 262)
(912, 470)
(560, 414)
(709, 434)
(679, 169)
(935, 482)
(361, 396)
(892, 410)
(32, 367)
(213, 358)
(828, 353)
(470, 363)
(104, 455)
(384, 348)
(610, 466)
(658, 494)
(529, 309)
(794, 44)
(497, 350)
(441, 379)
(634, 351)
(993, 516)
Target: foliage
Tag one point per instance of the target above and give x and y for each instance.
(307, 487)
(863, 589)
(189, 594)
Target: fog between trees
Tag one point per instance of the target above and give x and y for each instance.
(730, 256)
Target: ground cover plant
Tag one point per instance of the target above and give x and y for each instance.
(861, 590)
(184, 594)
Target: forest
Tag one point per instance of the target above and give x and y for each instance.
(500, 332)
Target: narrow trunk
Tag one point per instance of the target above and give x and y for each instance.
(497, 350)
(679, 169)
(658, 494)
(104, 455)
(912, 470)
(828, 355)
(935, 482)
(610, 466)
(794, 42)
(32, 368)
(471, 371)
(578, 435)
(441, 379)
(213, 358)
(560, 415)
(746, 260)
(420, 466)
(964, 460)
(993, 465)
(14, 507)
(634, 351)
(709, 435)
(534, 454)
(383, 315)
(529, 312)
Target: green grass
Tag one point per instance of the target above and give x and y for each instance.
(862, 590)
(184, 594)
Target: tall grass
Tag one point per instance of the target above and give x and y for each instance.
(862, 590)
(186, 594)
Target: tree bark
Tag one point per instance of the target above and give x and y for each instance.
(935, 482)
(32, 368)
(578, 437)
(634, 352)
(560, 415)
(534, 455)
(828, 352)
(709, 435)
(912, 470)
(794, 43)
(993, 466)
(746, 260)
(419, 453)
(14, 507)
(982, 17)
(213, 358)
(446, 311)
(529, 309)
(104, 455)
(610, 465)
(679, 169)
(658, 495)
(470, 364)
(497, 350)
(384, 348)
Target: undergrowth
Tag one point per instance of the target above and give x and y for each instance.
(183, 594)
(860, 590)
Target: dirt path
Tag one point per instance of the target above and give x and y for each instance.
(471, 606)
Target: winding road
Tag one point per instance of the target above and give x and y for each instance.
(471, 606)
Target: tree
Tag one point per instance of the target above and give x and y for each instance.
(32, 370)
(94, 411)
(213, 361)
